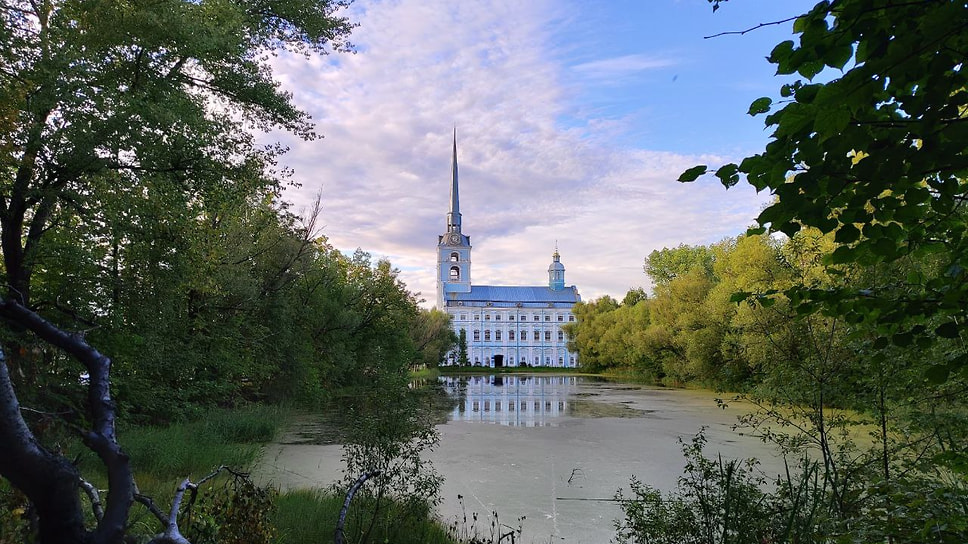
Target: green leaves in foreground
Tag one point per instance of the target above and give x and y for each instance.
(877, 154)
(693, 173)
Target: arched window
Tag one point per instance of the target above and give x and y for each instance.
(455, 273)
(455, 256)
(511, 334)
(497, 335)
(487, 335)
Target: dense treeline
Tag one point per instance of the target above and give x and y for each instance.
(149, 266)
(691, 329)
(137, 206)
(237, 299)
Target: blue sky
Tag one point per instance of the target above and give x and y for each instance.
(574, 118)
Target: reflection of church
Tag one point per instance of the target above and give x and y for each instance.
(505, 326)
(528, 401)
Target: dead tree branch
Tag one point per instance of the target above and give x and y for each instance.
(340, 537)
(95, 498)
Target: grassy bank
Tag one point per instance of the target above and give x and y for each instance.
(162, 456)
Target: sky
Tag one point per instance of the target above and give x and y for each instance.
(573, 121)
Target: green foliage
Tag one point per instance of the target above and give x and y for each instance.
(231, 511)
(664, 265)
(875, 156)
(433, 337)
(723, 501)
(14, 519)
(462, 359)
(390, 428)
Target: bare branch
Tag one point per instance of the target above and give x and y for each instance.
(94, 496)
(751, 29)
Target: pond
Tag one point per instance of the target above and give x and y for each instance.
(552, 449)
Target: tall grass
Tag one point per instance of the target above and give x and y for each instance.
(309, 517)
(193, 449)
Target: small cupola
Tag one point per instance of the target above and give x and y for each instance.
(556, 272)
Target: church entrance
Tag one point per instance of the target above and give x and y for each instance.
(498, 361)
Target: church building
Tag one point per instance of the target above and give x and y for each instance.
(504, 325)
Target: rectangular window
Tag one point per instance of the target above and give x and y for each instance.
(536, 318)
(547, 317)
(524, 318)
(537, 335)
(487, 336)
(497, 317)
(561, 317)
(463, 317)
(477, 336)
(561, 336)
(547, 336)
(487, 317)
(510, 318)
(511, 335)
(476, 317)
(497, 335)
(571, 318)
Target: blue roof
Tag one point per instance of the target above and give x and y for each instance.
(498, 293)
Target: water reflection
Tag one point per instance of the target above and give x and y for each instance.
(525, 401)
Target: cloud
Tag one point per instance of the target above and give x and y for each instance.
(618, 67)
(528, 177)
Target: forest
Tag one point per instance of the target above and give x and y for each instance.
(154, 279)
(152, 271)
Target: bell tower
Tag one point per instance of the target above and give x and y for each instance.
(453, 248)
(556, 272)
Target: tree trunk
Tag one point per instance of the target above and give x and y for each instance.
(49, 481)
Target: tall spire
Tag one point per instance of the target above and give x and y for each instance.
(453, 217)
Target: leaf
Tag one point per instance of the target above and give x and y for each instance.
(837, 57)
(832, 123)
(947, 330)
(693, 173)
(847, 234)
(937, 374)
(760, 105)
(739, 296)
(727, 175)
(902, 339)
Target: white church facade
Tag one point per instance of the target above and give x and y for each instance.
(504, 325)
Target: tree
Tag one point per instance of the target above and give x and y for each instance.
(462, 359)
(433, 337)
(877, 156)
(106, 106)
(667, 264)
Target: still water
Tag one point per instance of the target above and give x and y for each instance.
(550, 449)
